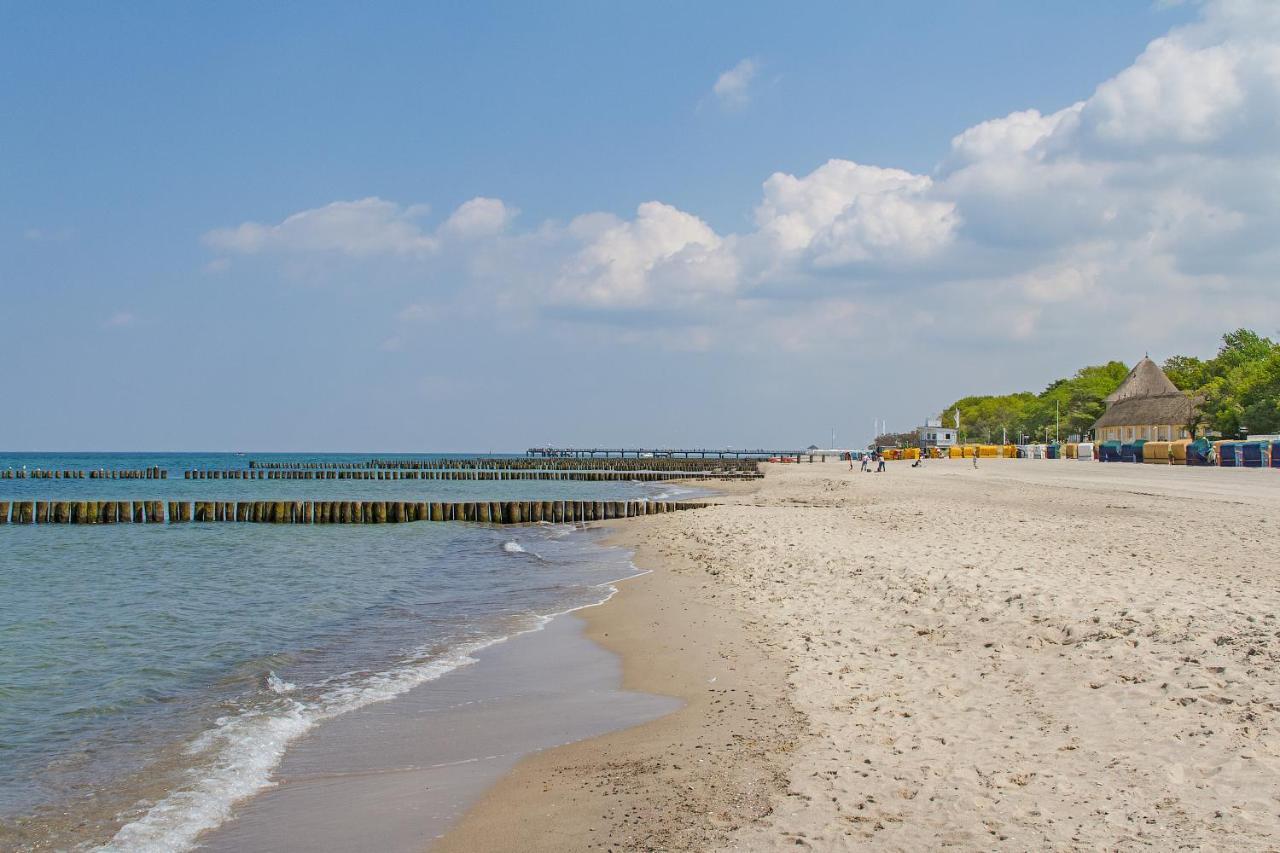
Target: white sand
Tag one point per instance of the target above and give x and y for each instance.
(1036, 655)
(1032, 655)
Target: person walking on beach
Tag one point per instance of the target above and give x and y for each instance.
(975, 457)
(879, 462)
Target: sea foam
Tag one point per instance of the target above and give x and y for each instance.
(243, 749)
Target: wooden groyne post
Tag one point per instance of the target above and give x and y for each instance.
(329, 512)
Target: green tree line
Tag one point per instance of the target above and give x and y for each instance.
(1239, 390)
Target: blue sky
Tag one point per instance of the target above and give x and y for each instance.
(596, 223)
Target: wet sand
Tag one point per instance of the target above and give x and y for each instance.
(393, 775)
(685, 781)
(1035, 654)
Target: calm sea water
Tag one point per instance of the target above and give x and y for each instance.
(150, 675)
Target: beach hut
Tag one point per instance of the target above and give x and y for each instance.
(1070, 449)
(1084, 451)
(1146, 406)
(1275, 454)
(1109, 451)
(1178, 451)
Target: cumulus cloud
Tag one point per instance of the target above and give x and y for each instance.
(480, 217)
(369, 226)
(844, 213)
(733, 87)
(1162, 186)
(661, 253)
(363, 228)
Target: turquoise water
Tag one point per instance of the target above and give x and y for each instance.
(159, 671)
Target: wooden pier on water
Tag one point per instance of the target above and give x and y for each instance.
(464, 474)
(329, 512)
(514, 463)
(656, 454)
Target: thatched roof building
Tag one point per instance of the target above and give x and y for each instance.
(1146, 405)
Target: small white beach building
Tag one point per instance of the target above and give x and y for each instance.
(934, 434)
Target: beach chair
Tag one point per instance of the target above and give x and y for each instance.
(1253, 454)
(1228, 453)
(1199, 452)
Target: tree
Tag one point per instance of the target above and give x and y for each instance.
(1239, 388)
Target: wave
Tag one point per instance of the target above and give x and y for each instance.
(243, 749)
(236, 757)
(278, 685)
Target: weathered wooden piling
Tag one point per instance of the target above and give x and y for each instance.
(329, 512)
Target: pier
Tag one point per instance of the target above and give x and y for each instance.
(585, 475)
(650, 454)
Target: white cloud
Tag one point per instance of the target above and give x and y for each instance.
(844, 212)
(363, 228)
(369, 226)
(733, 87)
(663, 252)
(480, 217)
(120, 319)
(1074, 222)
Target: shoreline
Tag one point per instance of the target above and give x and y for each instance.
(395, 774)
(171, 809)
(687, 780)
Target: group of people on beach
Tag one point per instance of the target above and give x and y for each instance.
(867, 459)
(875, 456)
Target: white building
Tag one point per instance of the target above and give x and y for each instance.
(934, 434)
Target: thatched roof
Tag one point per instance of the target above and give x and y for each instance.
(1161, 409)
(1145, 380)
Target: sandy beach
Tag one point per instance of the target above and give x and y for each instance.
(1030, 655)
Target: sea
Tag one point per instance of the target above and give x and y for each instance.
(153, 675)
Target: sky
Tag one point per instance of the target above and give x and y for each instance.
(485, 226)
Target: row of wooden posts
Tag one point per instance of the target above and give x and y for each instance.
(456, 474)
(517, 464)
(328, 512)
(155, 472)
